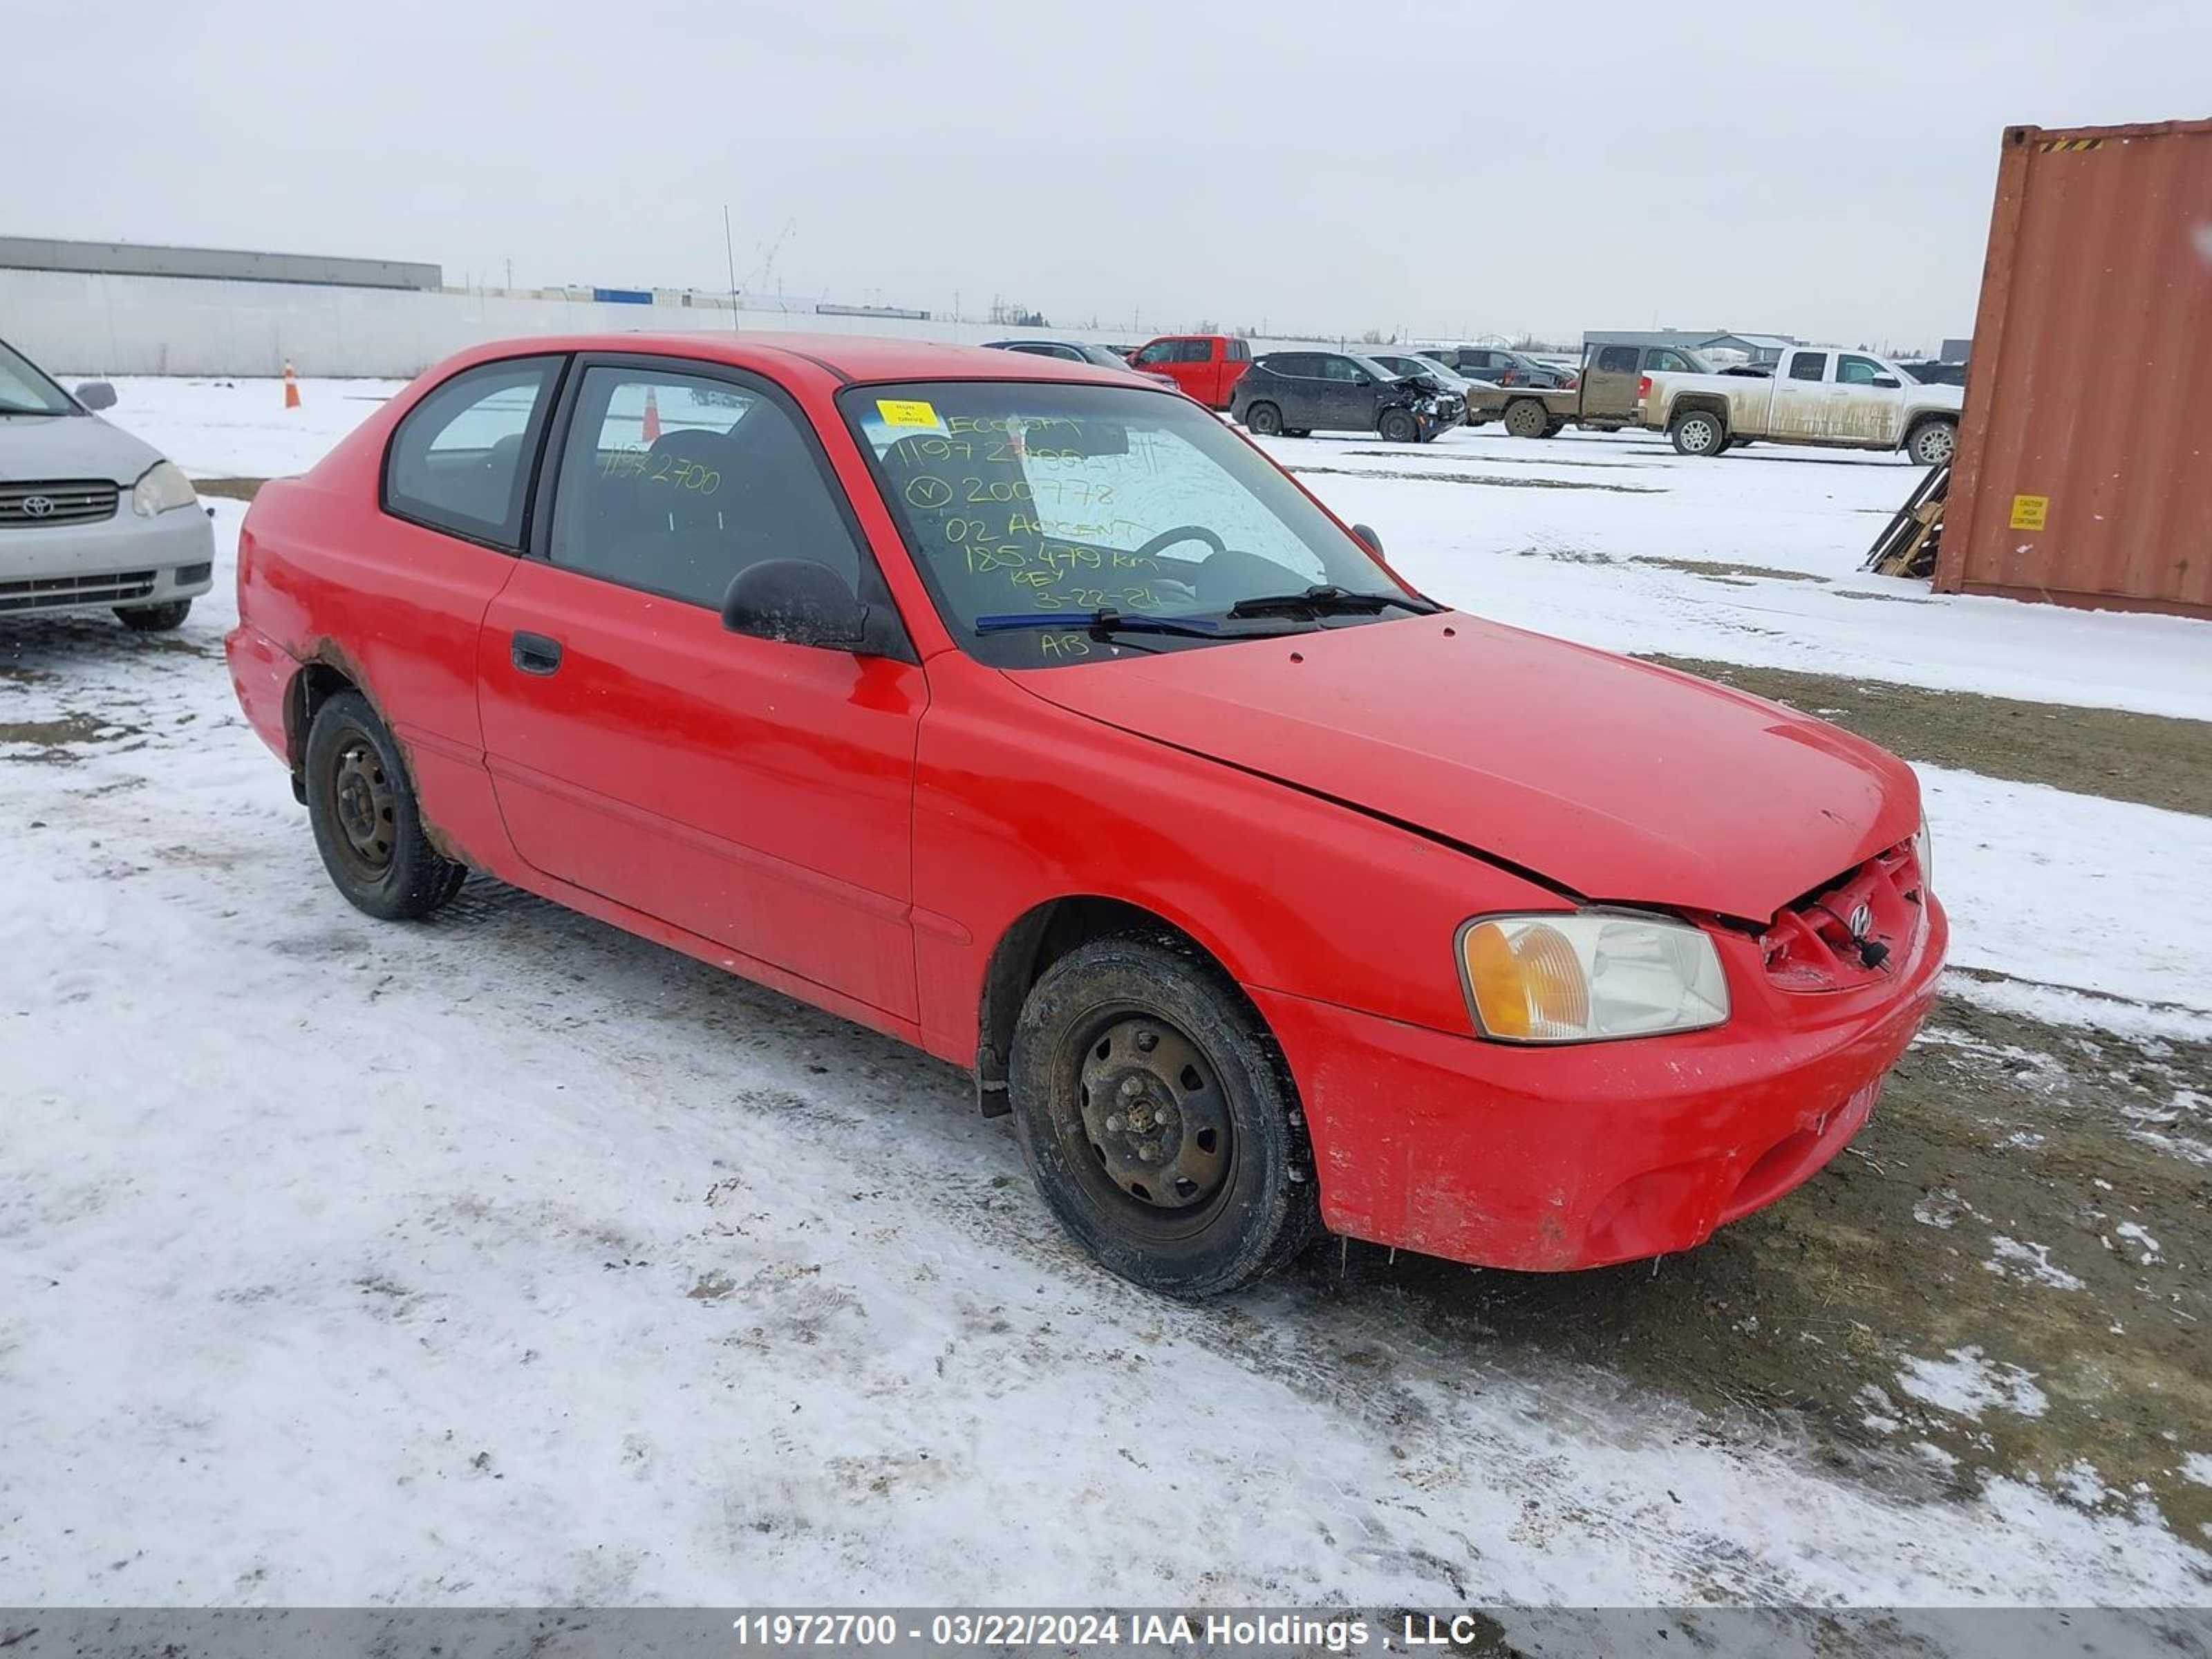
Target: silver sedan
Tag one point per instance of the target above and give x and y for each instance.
(91, 518)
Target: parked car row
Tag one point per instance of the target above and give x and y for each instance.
(1861, 401)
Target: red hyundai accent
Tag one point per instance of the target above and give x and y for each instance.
(1027, 714)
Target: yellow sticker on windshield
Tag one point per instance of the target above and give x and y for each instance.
(906, 411)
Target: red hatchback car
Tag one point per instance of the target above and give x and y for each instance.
(1037, 719)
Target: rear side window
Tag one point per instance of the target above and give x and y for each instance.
(1239, 352)
(1808, 365)
(1198, 351)
(1617, 359)
(459, 460)
(676, 482)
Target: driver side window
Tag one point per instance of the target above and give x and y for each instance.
(1858, 371)
(676, 482)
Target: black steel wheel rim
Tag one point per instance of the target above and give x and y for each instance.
(364, 806)
(1146, 1124)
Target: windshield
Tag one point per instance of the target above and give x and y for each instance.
(1100, 355)
(25, 390)
(1024, 504)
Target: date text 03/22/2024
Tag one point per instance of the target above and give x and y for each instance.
(1259, 1631)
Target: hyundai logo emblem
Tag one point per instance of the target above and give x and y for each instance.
(1861, 919)
(37, 507)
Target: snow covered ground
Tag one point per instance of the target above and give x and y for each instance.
(507, 1258)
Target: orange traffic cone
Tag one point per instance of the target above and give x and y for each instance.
(291, 386)
(652, 416)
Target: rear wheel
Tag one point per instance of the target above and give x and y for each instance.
(1933, 442)
(1526, 417)
(362, 805)
(1399, 426)
(1158, 1118)
(153, 618)
(1264, 420)
(1700, 432)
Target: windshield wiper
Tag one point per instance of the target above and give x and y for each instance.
(1326, 598)
(1104, 620)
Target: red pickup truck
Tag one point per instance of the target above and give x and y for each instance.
(1206, 366)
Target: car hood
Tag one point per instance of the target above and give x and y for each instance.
(1617, 780)
(36, 447)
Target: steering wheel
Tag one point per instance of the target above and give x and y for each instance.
(1181, 532)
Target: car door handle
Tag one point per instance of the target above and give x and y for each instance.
(536, 653)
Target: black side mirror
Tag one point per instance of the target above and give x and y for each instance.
(96, 395)
(1890, 381)
(799, 602)
(1366, 533)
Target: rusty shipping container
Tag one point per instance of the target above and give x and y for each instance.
(2085, 460)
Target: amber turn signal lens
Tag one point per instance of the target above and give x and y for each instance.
(1526, 984)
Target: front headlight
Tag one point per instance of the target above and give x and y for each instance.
(1923, 855)
(164, 487)
(1585, 976)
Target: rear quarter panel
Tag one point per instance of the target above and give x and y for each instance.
(394, 608)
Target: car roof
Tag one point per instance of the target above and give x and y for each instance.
(849, 358)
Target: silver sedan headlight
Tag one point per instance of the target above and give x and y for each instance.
(1586, 976)
(162, 489)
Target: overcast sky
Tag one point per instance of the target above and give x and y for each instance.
(1439, 168)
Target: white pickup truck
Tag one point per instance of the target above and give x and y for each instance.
(1816, 395)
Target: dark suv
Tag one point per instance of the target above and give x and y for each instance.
(1294, 393)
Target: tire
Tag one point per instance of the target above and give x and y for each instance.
(1264, 420)
(1225, 1179)
(1698, 432)
(1933, 442)
(362, 805)
(1398, 426)
(153, 618)
(1527, 417)
(1297, 432)
(1554, 430)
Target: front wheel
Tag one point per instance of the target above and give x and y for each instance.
(1264, 420)
(368, 828)
(1700, 432)
(153, 618)
(1157, 1118)
(1398, 427)
(1933, 442)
